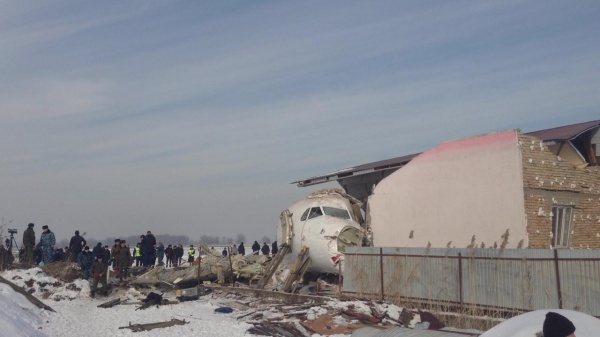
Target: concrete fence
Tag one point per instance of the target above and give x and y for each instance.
(504, 280)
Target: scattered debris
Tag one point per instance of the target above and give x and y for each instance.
(65, 271)
(224, 310)
(27, 295)
(152, 326)
(283, 329)
(111, 303)
(150, 300)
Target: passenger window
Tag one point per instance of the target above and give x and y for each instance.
(304, 215)
(315, 212)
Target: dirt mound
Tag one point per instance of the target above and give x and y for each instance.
(65, 271)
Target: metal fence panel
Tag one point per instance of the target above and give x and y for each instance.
(522, 279)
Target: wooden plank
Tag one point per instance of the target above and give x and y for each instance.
(272, 268)
(297, 271)
(27, 295)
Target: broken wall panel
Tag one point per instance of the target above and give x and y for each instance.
(446, 195)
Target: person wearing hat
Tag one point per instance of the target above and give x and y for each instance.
(124, 259)
(76, 245)
(86, 259)
(29, 244)
(98, 271)
(47, 241)
(98, 249)
(557, 325)
(191, 254)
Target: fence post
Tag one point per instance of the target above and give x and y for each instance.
(381, 272)
(558, 289)
(460, 280)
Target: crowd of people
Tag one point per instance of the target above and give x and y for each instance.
(95, 263)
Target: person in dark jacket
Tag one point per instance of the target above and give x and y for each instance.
(98, 271)
(106, 253)
(47, 240)
(58, 254)
(224, 252)
(29, 244)
(98, 249)
(179, 255)
(241, 249)
(124, 260)
(114, 255)
(76, 245)
(274, 248)
(148, 249)
(169, 255)
(255, 248)
(160, 253)
(265, 249)
(86, 258)
(38, 254)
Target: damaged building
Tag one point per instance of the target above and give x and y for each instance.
(505, 189)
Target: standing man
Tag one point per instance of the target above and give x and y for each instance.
(99, 269)
(124, 260)
(274, 248)
(86, 259)
(98, 249)
(179, 255)
(114, 255)
(160, 253)
(29, 244)
(76, 245)
(169, 255)
(265, 249)
(241, 249)
(149, 249)
(191, 254)
(255, 248)
(137, 254)
(47, 242)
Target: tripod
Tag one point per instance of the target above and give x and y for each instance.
(10, 241)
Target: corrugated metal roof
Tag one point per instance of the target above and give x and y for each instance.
(561, 133)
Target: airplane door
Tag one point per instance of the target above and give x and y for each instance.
(285, 231)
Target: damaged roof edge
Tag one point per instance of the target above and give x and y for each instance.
(358, 170)
(561, 133)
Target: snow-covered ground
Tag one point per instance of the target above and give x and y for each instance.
(78, 315)
(82, 317)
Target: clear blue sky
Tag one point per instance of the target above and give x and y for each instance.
(192, 117)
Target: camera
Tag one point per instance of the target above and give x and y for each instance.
(12, 231)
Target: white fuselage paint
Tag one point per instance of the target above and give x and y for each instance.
(318, 234)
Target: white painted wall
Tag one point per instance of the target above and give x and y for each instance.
(461, 188)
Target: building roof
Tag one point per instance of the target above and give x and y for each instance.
(387, 164)
(561, 133)
(567, 132)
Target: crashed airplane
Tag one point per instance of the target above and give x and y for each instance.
(327, 221)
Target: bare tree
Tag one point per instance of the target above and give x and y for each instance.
(240, 238)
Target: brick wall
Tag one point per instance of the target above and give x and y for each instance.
(549, 181)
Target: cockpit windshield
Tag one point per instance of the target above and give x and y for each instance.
(336, 212)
